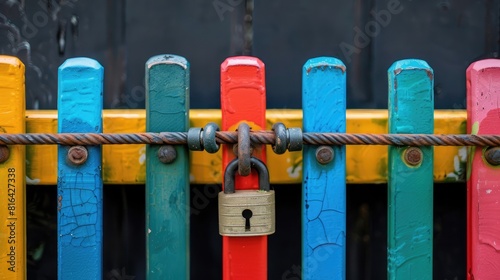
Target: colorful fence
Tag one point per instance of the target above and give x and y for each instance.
(323, 170)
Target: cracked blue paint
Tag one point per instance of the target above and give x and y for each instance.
(80, 187)
(324, 204)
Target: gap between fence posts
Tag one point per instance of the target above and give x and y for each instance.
(167, 184)
(483, 179)
(410, 178)
(323, 184)
(79, 184)
(12, 171)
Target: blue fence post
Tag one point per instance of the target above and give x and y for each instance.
(410, 178)
(167, 184)
(324, 190)
(79, 185)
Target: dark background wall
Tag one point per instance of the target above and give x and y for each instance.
(122, 35)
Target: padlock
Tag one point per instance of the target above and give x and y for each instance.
(246, 212)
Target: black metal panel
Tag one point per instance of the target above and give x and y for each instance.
(190, 28)
(288, 33)
(122, 35)
(44, 33)
(449, 35)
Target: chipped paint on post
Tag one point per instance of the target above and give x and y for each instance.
(167, 185)
(483, 182)
(410, 184)
(79, 187)
(324, 189)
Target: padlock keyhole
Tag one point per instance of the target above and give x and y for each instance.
(247, 214)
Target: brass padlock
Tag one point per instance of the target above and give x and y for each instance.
(246, 212)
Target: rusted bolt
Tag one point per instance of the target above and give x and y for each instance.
(324, 154)
(413, 156)
(4, 153)
(167, 154)
(77, 155)
(492, 155)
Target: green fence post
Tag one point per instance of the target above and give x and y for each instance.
(167, 184)
(410, 195)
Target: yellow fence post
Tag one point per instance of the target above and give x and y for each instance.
(12, 171)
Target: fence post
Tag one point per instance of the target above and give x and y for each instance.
(483, 180)
(243, 99)
(410, 178)
(324, 190)
(167, 184)
(12, 171)
(79, 184)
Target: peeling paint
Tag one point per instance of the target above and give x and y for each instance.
(294, 172)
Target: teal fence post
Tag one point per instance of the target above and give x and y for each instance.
(324, 190)
(167, 184)
(79, 184)
(410, 178)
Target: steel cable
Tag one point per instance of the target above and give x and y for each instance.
(256, 137)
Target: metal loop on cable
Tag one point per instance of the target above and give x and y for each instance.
(209, 142)
(281, 143)
(194, 140)
(294, 139)
(244, 152)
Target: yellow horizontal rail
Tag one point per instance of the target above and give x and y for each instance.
(125, 164)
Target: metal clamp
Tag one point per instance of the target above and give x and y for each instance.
(209, 141)
(295, 141)
(281, 143)
(194, 139)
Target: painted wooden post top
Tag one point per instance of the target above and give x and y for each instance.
(324, 61)
(167, 58)
(10, 62)
(83, 76)
(242, 76)
(163, 83)
(242, 61)
(12, 83)
(483, 76)
(411, 79)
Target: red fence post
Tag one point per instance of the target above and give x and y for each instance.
(483, 178)
(243, 99)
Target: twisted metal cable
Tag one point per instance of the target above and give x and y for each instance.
(256, 137)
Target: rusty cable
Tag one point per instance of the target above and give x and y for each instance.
(256, 137)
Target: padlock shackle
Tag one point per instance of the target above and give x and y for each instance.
(256, 164)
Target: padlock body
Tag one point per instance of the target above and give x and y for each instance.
(231, 207)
